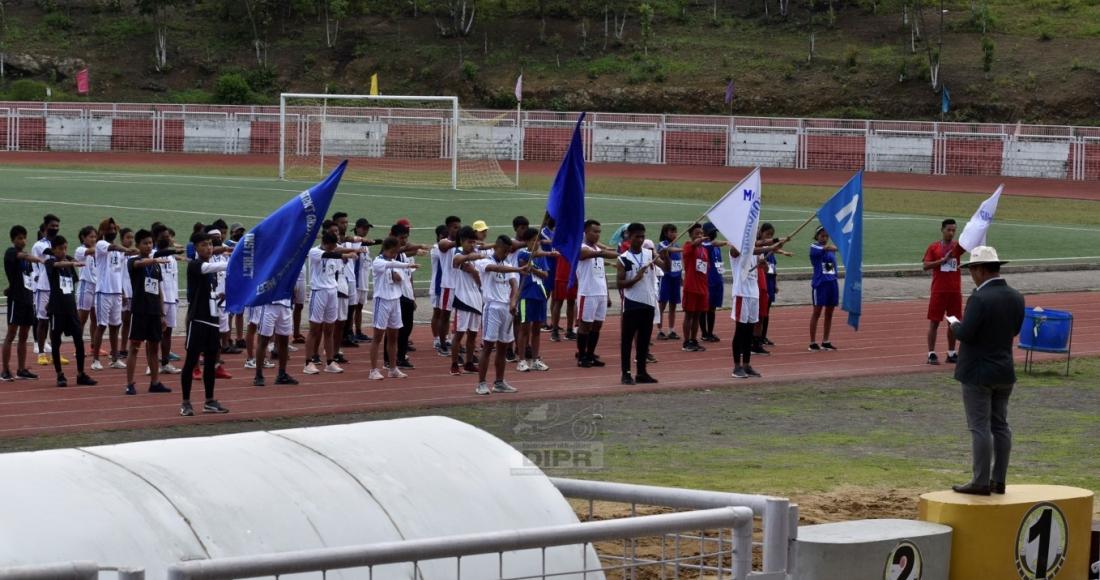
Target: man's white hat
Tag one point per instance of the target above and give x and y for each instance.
(983, 255)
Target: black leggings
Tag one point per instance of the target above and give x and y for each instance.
(706, 323)
(55, 344)
(742, 344)
(637, 331)
(202, 339)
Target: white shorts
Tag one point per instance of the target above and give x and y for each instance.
(252, 315)
(108, 309)
(496, 323)
(170, 309)
(436, 300)
(363, 297)
(466, 321)
(223, 323)
(746, 310)
(41, 304)
(299, 292)
(446, 299)
(85, 301)
(342, 308)
(593, 308)
(387, 313)
(273, 319)
(323, 306)
(353, 295)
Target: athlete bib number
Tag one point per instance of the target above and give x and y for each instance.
(951, 265)
(828, 268)
(215, 311)
(771, 268)
(152, 286)
(28, 282)
(66, 284)
(701, 266)
(676, 266)
(720, 268)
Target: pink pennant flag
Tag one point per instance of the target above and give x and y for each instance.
(82, 82)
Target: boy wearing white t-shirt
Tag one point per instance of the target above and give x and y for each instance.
(637, 279)
(500, 291)
(389, 279)
(592, 294)
(467, 304)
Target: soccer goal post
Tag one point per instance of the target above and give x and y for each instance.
(397, 139)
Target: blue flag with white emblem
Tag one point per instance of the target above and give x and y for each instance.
(265, 264)
(566, 201)
(842, 217)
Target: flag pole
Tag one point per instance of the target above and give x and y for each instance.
(519, 138)
(799, 228)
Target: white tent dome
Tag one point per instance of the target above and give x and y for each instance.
(154, 503)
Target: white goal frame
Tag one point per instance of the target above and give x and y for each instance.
(454, 121)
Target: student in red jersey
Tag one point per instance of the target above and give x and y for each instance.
(942, 258)
(696, 301)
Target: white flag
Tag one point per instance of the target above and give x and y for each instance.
(737, 216)
(973, 235)
(519, 88)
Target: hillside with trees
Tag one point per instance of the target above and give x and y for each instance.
(1001, 60)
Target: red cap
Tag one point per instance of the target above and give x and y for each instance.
(404, 222)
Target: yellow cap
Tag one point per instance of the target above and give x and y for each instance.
(480, 226)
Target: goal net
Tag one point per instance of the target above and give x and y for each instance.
(404, 140)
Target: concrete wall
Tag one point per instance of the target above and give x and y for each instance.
(899, 153)
(626, 145)
(487, 141)
(766, 148)
(1024, 158)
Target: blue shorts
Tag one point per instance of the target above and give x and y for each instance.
(532, 310)
(827, 294)
(715, 292)
(670, 289)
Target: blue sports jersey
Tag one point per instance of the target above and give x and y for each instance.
(675, 265)
(714, 265)
(531, 287)
(771, 274)
(824, 263)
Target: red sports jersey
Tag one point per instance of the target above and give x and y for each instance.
(946, 276)
(695, 268)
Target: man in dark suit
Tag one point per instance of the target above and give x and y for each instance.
(992, 319)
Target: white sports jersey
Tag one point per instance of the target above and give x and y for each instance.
(407, 277)
(446, 263)
(170, 284)
(384, 285)
(466, 286)
(216, 259)
(645, 291)
(350, 266)
(322, 271)
(109, 267)
(88, 272)
(591, 276)
(38, 250)
(364, 263)
(437, 272)
(749, 286)
(497, 286)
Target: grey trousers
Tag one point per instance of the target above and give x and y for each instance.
(991, 439)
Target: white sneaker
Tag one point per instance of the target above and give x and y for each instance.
(503, 387)
(168, 369)
(375, 375)
(291, 348)
(310, 369)
(538, 365)
(147, 371)
(333, 368)
(250, 363)
(97, 366)
(46, 349)
(482, 389)
(397, 374)
(268, 364)
(117, 364)
(523, 366)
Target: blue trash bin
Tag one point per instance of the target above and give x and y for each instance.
(1046, 330)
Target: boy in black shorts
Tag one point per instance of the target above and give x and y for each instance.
(203, 315)
(147, 314)
(64, 318)
(21, 317)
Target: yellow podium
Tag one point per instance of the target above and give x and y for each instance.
(1032, 532)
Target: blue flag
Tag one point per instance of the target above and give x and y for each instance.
(566, 201)
(265, 264)
(945, 100)
(842, 217)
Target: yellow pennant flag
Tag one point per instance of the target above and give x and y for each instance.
(374, 84)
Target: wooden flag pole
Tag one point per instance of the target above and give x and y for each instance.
(799, 228)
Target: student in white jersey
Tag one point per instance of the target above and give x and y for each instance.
(500, 293)
(363, 279)
(468, 264)
(592, 294)
(273, 321)
(50, 227)
(85, 298)
(350, 286)
(406, 253)
(325, 264)
(126, 238)
(389, 274)
(434, 289)
(637, 278)
(447, 249)
(110, 259)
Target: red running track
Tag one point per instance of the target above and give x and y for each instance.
(891, 341)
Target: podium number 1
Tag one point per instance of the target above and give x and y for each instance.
(1041, 530)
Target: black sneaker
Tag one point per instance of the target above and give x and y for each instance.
(673, 336)
(814, 347)
(570, 335)
(759, 349)
(6, 377)
(584, 362)
(159, 388)
(340, 358)
(688, 346)
(739, 373)
(644, 379)
(213, 406)
(751, 371)
(698, 347)
(711, 338)
(827, 346)
(258, 381)
(240, 343)
(285, 379)
(25, 375)
(933, 359)
(953, 358)
(596, 362)
(62, 381)
(85, 381)
(555, 336)
(405, 364)
(362, 337)
(186, 410)
(768, 342)
(626, 379)
(348, 342)
(662, 336)
(131, 389)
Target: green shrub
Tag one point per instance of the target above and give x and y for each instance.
(27, 90)
(851, 56)
(263, 79)
(232, 89)
(1045, 35)
(987, 54)
(58, 21)
(191, 97)
(470, 70)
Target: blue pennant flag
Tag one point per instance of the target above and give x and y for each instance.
(265, 264)
(566, 201)
(945, 100)
(842, 217)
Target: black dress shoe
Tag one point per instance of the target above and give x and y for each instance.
(998, 487)
(971, 489)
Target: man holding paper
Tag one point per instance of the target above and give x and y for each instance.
(942, 259)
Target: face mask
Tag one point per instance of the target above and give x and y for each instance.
(110, 237)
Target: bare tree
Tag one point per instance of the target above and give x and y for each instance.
(934, 54)
(333, 11)
(460, 18)
(259, 17)
(158, 11)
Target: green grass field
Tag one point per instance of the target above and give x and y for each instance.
(898, 224)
